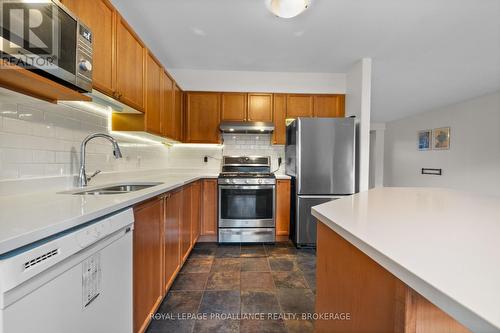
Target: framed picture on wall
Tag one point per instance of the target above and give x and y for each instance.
(424, 139)
(441, 138)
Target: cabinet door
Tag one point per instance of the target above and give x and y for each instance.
(279, 110)
(171, 238)
(186, 223)
(234, 107)
(168, 114)
(283, 207)
(130, 54)
(209, 207)
(299, 106)
(178, 113)
(329, 106)
(99, 15)
(260, 107)
(195, 211)
(202, 117)
(153, 95)
(147, 260)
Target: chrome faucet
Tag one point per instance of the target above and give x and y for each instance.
(82, 177)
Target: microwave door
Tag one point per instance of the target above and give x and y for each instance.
(31, 46)
(50, 46)
(64, 36)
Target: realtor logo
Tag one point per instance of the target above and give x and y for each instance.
(28, 31)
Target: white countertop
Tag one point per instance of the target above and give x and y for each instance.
(444, 244)
(29, 217)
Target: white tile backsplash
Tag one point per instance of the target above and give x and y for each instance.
(39, 139)
(254, 144)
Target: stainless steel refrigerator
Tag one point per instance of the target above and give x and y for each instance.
(320, 157)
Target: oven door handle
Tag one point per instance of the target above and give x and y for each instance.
(247, 187)
(243, 232)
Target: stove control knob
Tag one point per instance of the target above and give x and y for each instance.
(227, 181)
(260, 181)
(232, 181)
(246, 181)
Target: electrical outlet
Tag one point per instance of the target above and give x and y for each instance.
(205, 159)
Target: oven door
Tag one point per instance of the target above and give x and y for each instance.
(246, 206)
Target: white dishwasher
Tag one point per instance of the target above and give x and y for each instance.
(77, 281)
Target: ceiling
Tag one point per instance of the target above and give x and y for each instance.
(426, 53)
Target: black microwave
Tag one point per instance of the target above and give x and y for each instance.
(45, 37)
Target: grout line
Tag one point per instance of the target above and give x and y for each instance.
(202, 295)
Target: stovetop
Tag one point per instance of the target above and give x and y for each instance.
(246, 175)
(246, 170)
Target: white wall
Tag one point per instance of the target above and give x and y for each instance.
(40, 139)
(277, 82)
(47, 143)
(358, 104)
(377, 134)
(473, 161)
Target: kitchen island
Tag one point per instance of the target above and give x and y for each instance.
(409, 260)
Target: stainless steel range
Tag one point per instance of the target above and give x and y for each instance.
(247, 195)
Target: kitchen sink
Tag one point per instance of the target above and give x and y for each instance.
(114, 189)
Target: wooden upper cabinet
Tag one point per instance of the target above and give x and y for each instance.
(299, 106)
(279, 110)
(130, 56)
(260, 107)
(234, 106)
(329, 105)
(168, 114)
(99, 15)
(154, 72)
(178, 113)
(202, 117)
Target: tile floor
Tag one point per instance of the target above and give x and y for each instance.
(234, 280)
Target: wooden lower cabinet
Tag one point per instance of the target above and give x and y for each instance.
(185, 223)
(165, 231)
(209, 207)
(171, 238)
(148, 291)
(350, 282)
(195, 211)
(282, 207)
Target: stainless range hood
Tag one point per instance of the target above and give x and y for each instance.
(246, 127)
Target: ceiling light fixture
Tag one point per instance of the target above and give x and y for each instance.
(287, 8)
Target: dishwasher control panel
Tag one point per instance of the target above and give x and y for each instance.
(95, 232)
